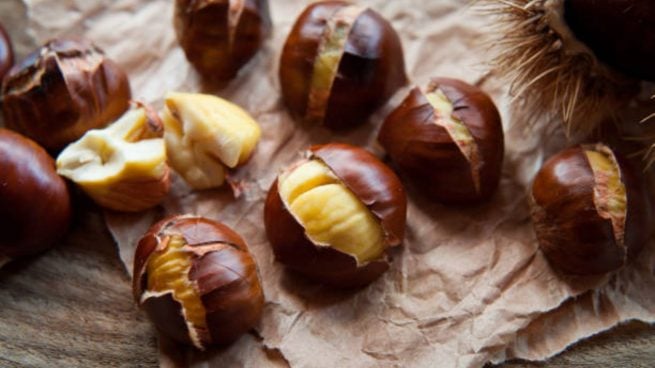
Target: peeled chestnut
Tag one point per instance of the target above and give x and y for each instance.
(448, 140)
(591, 210)
(339, 63)
(6, 53)
(35, 206)
(197, 281)
(61, 90)
(220, 36)
(334, 215)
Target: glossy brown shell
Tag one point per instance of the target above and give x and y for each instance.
(6, 53)
(374, 184)
(35, 208)
(371, 69)
(227, 281)
(204, 34)
(571, 234)
(621, 33)
(61, 90)
(428, 156)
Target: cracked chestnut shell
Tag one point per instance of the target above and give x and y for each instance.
(447, 140)
(35, 206)
(339, 63)
(220, 36)
(590, 210)
(61, 90)
(373, 184)
(6, 53)
(197, 281)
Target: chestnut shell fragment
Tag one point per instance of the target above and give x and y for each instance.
(35, 207)
(374, 184)
(214, 46)
(572, 235)
(426, 153)
(61, 90)
(370, 71)
(6, 53)
(226, 278)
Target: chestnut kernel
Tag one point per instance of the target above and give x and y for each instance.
(61, 90)
(35, 208)
(123, 166)
(334, 215)
(448, 140)
(591, 210)
(6, 53)
(197, 281)
(339, 63)
(220, 36)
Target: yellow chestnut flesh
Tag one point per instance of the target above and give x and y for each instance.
(205, 135)
(610, 197)
(168, 271)
(330, 213)
(460, 134)
(326, 64)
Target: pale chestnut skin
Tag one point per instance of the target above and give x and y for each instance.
(197, 281)
(123, 166)
(62, 90)
(339, 63)
(35, 205)
(6, 53)
(334, 216)
(591, 211)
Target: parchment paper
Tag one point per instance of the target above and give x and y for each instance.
(469, 285)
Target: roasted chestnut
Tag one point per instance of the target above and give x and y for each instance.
(61, 90)
(35, 208)
(591, 210)
(339, 63)
(123, 166)
(220, 36)
(197, 281)
(6, 53)
(448, 140)
(334, 215)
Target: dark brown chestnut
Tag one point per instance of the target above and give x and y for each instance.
(35, 206)
(334, 215)
(220, 36)
(591, 211)
(61, 90)
(6, 53)
(448, 140)
(340, 62)
(197, 281)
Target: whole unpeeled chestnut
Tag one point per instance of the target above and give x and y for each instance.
(334, 215)
(61, 90)
(220, 36)
(197, 281)
(35, 206)
(591, 210)
(448, 140)
(6, 53)
(339, 63)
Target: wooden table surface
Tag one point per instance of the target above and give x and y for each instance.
(72, 306)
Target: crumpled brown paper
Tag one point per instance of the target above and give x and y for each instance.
(469, 285)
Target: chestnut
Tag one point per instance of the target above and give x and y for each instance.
(334, 215)
(590, 210)
(340, 62)
(197, 281)
(6, 53)
(220, 36)
(61, 90)
(35, 207)
(448, 140)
